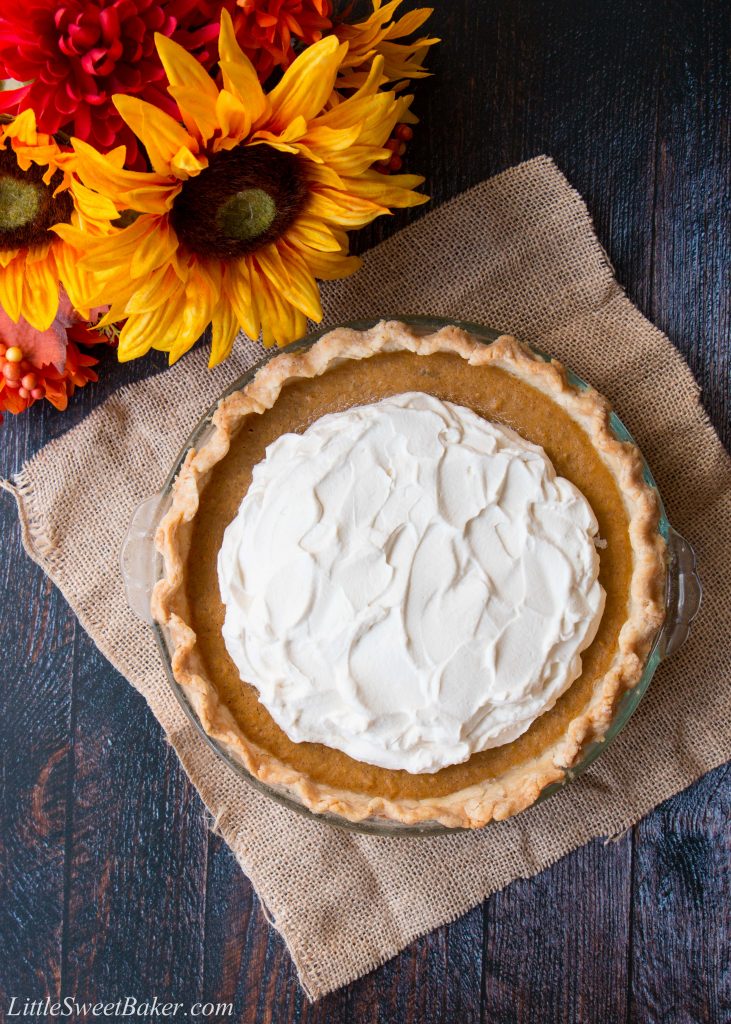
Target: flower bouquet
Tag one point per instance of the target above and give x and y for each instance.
(169, 165)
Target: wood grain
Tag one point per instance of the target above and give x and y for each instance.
(111, 883)
(136, 853)
(545, 938)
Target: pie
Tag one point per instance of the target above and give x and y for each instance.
(462, 771)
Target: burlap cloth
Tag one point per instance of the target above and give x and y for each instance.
(516, 253)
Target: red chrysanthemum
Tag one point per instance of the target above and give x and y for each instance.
(73, 56)
(265, 30)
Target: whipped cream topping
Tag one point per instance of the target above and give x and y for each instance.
(409, 583)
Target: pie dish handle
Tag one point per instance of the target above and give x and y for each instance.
(137, 557)
(684, 594)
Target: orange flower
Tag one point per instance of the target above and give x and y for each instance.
(45, 364)
(266, 29)
(38, 382)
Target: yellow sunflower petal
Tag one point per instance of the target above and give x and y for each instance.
(376, 115)
(39, 253)
(312, 233)
(340, 208)
(154, 249)
(22, 128)
(162, 327)
(74, 279)
(372, 80)
(233, 117)
(115, 314)
(308, 82)
(354, 161)
(117, 156)
(40, 293)
(73, 234)
(281, 323)
(236, 286)
(11, 287)
(238, 73)
(290, 277)
(408, 23)
(196, 109)
(92, 206)
(191, 86)
(391, 189)
(118, 250)
(161, 136)
(224, 329)
(7, 256)
(186, 165)
(321, 174)
(266, 139)
(201, 298)
(137, 336)
(135, 190)
(330, 266)
(327, 142)
(160, 286)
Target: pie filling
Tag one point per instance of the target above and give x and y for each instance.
(409, 583)
(441, 746)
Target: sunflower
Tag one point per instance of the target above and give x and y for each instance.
(248, 200)
(35, 196)
(377, 35)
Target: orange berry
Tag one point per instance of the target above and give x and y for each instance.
(392, 144)
(405, 132)
(12, 372)
(24, 392)
(37, 393)
(14, 354)
(395, 163)
(30, 381)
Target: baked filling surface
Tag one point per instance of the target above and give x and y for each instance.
(496, 395)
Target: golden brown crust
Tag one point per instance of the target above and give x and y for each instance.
(519, 787)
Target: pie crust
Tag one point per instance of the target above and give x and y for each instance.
(520, 785)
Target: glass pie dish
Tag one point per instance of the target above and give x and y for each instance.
(142, 568)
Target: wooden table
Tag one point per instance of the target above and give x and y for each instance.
(112, 884)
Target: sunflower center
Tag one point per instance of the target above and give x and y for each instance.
(246, 215)
(19, 203)
(245, 198)
(28, 207)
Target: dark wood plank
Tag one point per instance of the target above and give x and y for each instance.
(36, 648)
(691, 253)
(681, 931)
(137, 853)
(681, 920)
(36, 638)
(435, 980)
(555, 944)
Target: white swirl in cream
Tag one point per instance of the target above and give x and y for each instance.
(409, 583)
